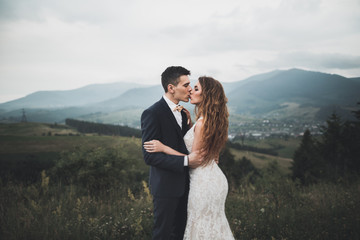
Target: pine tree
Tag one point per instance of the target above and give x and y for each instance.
(332, 147)
(351, 144)
(357, 114)
(307, 161)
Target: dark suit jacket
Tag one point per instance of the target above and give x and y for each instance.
(168, 176)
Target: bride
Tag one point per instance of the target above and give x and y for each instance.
(208, 185)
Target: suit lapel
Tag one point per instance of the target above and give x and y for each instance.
(184, 123)
(170, 116)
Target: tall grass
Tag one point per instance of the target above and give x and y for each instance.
(273, 207)
(277, 208)
(99, 192)
(41, 211)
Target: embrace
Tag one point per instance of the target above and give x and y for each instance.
(188, 188)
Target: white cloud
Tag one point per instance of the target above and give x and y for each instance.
(320, 61)
(68, 44)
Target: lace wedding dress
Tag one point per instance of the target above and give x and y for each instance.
(206, 205)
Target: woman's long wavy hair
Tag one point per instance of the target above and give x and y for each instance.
(215, 113)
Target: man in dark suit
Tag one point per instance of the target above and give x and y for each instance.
(169, 174)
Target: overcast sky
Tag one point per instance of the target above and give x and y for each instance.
(66, 44)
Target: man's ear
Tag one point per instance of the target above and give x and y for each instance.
(170, 88)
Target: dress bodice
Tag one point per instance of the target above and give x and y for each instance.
(189, 138)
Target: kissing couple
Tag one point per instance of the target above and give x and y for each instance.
(188, 187)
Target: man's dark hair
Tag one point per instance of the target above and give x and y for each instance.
(171, 76)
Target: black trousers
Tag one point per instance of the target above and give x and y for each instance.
(170, 217)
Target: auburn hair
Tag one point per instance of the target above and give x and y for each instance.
(215, 113)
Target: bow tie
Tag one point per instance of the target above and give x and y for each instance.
(178, 108)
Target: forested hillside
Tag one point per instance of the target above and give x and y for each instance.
(106, 129)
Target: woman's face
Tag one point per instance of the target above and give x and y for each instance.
(195, 94)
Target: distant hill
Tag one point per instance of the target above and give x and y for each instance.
(281, 94)
(355, 79)
(70, 98)
(314, 88)
(293, 92)
(133, 98)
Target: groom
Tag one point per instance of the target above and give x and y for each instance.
(169, 174)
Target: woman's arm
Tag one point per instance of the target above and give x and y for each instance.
(156, 146)
(151, 129)
(196, 156)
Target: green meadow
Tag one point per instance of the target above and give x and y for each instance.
(284, 147)
(59, 184)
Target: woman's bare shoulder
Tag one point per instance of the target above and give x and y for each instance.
(199, 124)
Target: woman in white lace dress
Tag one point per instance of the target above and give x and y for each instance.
(208, 185)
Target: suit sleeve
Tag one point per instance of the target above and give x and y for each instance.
(150, 127)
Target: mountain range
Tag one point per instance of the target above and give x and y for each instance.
(280, 94)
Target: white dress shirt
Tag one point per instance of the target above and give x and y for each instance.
(178, 118)
(172, 106)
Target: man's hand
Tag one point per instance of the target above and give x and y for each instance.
(195, 159)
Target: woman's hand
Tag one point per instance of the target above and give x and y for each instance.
(154, 146)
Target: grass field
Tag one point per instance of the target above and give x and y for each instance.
(22, 141)
(25, 146)
(35, 138)
(284, 147)
(34, 129)
(65, 185)
(262, 160)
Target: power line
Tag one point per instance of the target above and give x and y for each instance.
(23, 118)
